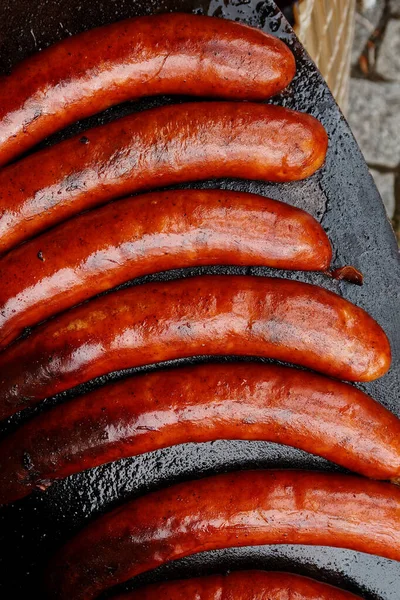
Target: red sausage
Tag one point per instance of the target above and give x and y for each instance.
(201, 404)
(239, 509)
(273, 318)
(133, 237)
(161, 54)
(159, 147)
(245, 585)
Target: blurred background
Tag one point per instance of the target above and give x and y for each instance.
(356, 45)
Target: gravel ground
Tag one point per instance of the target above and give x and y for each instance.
(374, 104)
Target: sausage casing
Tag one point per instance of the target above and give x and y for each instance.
(160, 54)
(159, 147)
(156, 232)
(232, 510)
(200, 404)
(210, 315)
(244, 585)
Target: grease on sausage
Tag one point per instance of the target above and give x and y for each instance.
(239, 509)
(155, 148)
(210, 315)
(200, 404)
(136, 236)
(244, 585)
(160, 54)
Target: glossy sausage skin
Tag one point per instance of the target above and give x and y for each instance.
(156, 232)
(160, 54)
(155, 148)
(244, 585)
(211, 315)
(239, 509)
(201, 404)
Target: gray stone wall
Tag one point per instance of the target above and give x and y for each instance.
(374, 104)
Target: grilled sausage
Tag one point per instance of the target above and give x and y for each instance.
(159, 147)
(159, 231)
(239, 509)
(201, 404)
(244, 585)
(160, 54)
(273, 318)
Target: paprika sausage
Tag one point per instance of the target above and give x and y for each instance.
(155, 148)
(210, 315)
(242, 585)
(136, 236)
(201, 404)
(160, 54)
(231, 510)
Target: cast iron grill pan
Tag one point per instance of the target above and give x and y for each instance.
(342, 196)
